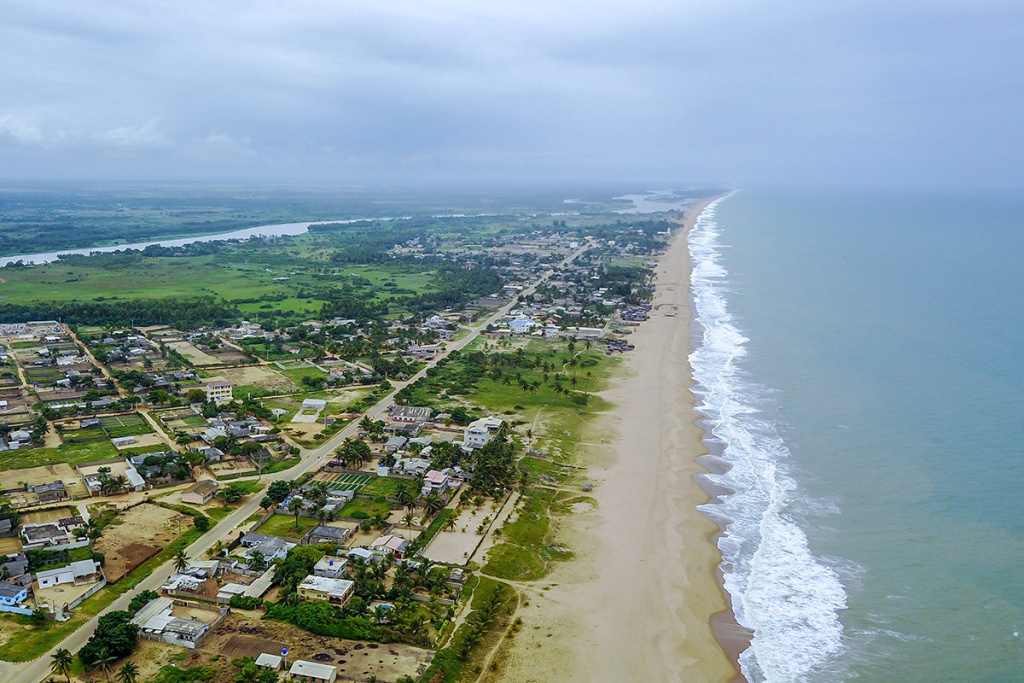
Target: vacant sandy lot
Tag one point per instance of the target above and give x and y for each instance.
(144, 440)
(139, 533)
(194, 355)
(256, 376)
(355, 661)
(41, 475)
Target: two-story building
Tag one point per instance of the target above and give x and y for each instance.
(335, 591)
(479, 432)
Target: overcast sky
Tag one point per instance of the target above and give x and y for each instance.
(878, 92)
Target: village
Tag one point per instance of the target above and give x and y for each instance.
(333, 490)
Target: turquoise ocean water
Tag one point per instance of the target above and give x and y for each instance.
(860, 363)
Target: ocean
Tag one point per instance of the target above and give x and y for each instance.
(858, 360)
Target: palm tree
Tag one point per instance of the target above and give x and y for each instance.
(214, 550)
(180, 560)
(295, 507)
(62, 661)
(105, 662)
(256, 560)
(433, 503)
(128, 673)
(407, 520)
(449, 524)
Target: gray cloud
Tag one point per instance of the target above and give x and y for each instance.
(866, 92)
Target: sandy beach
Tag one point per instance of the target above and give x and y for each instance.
(638, 601)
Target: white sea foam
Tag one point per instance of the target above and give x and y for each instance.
(787, 597)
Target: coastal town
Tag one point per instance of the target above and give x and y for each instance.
(336, 498)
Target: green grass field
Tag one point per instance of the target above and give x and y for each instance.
(367, 506)
(383, 486)
(71, 453)
(284, 526)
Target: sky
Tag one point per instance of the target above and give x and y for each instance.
(868, 92)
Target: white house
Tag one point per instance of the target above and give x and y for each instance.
(479, 432)
(311, 672)
(435, 482)
(330, 567)
(522, 326)
(78, 573)
(335, 591)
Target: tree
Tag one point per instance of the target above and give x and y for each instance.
(180, 560)
(128, 673)
(295, 507)
(278, 490)
(195, 396)
(433, 503)
(61, 663)
(233, 492)
(105, 662)
(256, 560)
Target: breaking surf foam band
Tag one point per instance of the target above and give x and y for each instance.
(785, 596)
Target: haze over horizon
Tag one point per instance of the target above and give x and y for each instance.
(897, 94)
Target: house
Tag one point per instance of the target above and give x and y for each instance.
(335, 591)
(79, 573)
(17, 566)
(54, 492)
(522, 326)
(311, 672)
(156, 622)
(44, 535)
(270, 547)
(268, 661)
(330, 567)
(414, 466)
(11, 594)
(201, 492)
(392, 544)
(395, 443)
(410, 414)
(364, 555)
(336, 536)
(123, 441)
(218, 392)
(479, 432)
(435, 482)
(314, 404)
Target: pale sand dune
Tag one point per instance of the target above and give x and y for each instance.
(636, 603)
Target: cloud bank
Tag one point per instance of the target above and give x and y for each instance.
(869, 92)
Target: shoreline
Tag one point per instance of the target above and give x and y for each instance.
(643, 599)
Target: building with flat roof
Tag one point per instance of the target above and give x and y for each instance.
(330, 567)
(335, 591)
(218, 392)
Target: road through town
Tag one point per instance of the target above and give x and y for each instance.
(38, 669)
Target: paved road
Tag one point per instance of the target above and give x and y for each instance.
(39, 669)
